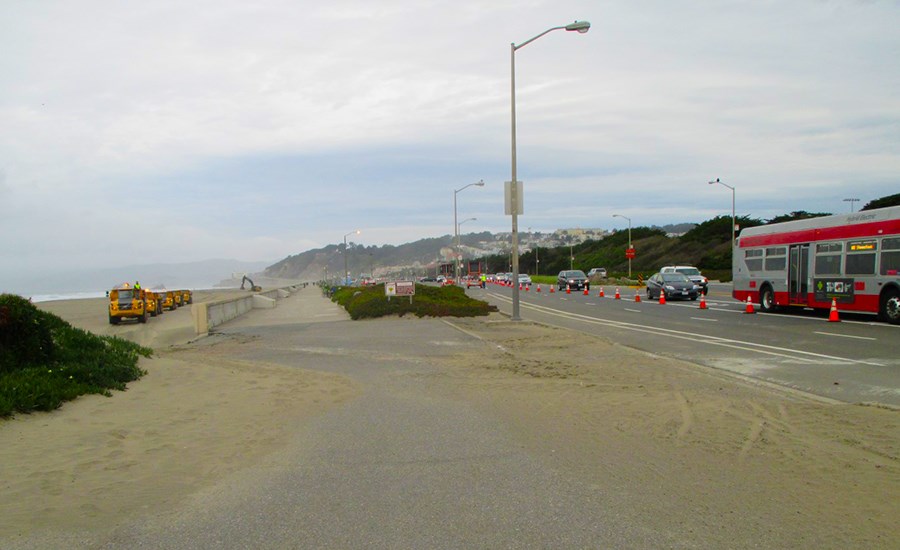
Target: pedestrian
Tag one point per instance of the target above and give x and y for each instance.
(137, 285)
(483, 280)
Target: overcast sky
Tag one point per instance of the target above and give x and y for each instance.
(169, 131)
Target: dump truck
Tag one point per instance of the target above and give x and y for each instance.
(126, 302)
(154, 302)
(187, 297)
(166, 298)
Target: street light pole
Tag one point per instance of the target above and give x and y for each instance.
(629, 239)
(581, 27)
(733, 221)
(851, 201)
(346, 272)
(479, 183)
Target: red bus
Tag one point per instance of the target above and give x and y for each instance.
(853, 259)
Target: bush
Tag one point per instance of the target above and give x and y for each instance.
(44, 361)
(449, 301)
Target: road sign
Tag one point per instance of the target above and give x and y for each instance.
(629, 253)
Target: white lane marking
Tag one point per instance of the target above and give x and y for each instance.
(633, 310)
(705, 319)
(844, 335)
(677, 334)
(590, 304)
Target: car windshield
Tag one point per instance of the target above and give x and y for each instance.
(575, 274)
(689, 270)
(675, 278)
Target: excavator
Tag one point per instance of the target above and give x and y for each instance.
(253, 287)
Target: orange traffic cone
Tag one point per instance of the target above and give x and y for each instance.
(637, 296)
(662, 297)
(526, 287)
(551, 289)
(702, 301)
(618, 297)
(539, 288)
(568, 289)
(585, 290)
(833, 316)
(601, 292)
(749, 306)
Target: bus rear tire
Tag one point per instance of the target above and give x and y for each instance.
(890, 306)
(767, 299)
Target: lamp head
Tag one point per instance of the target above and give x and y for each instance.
(580, 26)
(480, 183)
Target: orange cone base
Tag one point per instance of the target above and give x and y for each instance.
(637, 297)
(618, 296)
(601, 292)
(551, 290)
(749, 306)
(662, 298)
(585, 291)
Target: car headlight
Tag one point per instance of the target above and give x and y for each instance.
(670, 287)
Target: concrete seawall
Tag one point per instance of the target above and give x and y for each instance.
(207, 315)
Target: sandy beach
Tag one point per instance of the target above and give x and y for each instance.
(682, 446)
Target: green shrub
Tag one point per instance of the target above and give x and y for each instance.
(429, 301)
(44, 361)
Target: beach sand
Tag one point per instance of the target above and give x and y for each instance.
(672, 438)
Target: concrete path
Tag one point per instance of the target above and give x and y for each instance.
(406, 465)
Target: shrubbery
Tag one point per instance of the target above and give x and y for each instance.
(430, 301)
(44, 361)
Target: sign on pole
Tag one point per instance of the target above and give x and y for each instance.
(510, 191)
(629, 253)
(400, 288)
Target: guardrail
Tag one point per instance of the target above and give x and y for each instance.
(207, 315)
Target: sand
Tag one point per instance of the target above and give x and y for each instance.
(671, 437)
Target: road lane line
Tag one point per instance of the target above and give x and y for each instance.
(844, 335)
(705, 319)
(634, 310)
(765, 349)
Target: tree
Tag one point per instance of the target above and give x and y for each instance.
(883, 202)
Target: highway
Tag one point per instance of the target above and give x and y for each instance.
(853, 361)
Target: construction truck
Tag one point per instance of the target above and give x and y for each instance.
(187, 297)
(166, 298)
(126, 302)
(253, 287)
(154, 302)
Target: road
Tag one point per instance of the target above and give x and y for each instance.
(852, 361)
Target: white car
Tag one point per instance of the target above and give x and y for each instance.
(598, 271)
(524, 279)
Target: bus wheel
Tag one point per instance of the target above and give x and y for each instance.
(890, 306)
(767, 299)
(143, 318)
(113, 320)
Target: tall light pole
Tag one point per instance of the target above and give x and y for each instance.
(479, 183)
(851, 201)
(629, 239)
(581, 27)
(346, 272)
(733, 221)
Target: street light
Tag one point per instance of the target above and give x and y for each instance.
(580, 27)
(851, 201)
(479, 183)
(732, 207)
(346, 272)
(629, 239)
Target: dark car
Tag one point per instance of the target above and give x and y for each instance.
(575, 278)
(673, 285)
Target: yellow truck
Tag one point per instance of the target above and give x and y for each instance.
(187, 297)
(126, 302)
(154, 302)
(166, 299)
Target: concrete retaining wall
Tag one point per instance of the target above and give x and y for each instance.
(212, 314)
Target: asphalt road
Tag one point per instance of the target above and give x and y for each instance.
(853, 361)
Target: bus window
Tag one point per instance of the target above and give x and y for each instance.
(776, 258)
(890, 256)
(828, 258)
(753, 259)
(860, 258)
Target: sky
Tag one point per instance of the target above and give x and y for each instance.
(168, 131)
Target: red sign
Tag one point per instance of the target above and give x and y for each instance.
(629, 253)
